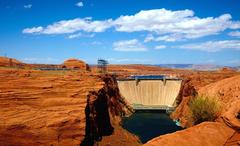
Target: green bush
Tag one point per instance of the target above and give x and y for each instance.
(204, 108)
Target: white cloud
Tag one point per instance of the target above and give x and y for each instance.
(128, 60)
(33, 30)
(166, 25)
(128, 46)
(159, 47)
(167, 38)
(77, 35)
(150, 20)
(183, 22)
(213, 46)
(29, 6)
(72, 26)
(149, 38)
(79, 4)
(234, 33)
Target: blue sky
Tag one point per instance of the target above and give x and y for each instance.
(121, 31)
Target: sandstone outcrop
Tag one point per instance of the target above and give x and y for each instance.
(10, 62)
(226, 70)
(228, 93)
(204, 134)
(75, 64)
(212, 84)
(44, 108)
(223, 132)
(181, 113)
(55, 107)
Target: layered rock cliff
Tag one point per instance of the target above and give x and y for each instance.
(57, 107)
(10, 62)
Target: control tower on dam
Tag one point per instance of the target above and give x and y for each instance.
(150, 92)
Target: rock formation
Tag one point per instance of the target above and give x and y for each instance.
(75, 64)
(10, 62)
(226, 70)
(80, 108)
(198, 82)
(223, 132)
(58, 108)
(204, 134)
(228, 93)
(181, 113)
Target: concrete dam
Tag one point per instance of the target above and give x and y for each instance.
(150, 93)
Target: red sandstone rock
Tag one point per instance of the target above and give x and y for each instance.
(10, 62)
(228, 93)
(181, 113)
(204, 134)
(230, 116)
(227, 90)
(75, 64)
(44, 107)
(226, 70)
(49, 108)
(41, 110)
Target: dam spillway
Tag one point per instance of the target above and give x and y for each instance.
(150, 93)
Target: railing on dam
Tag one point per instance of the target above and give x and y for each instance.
(150, 92)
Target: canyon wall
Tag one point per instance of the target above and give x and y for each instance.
(224, 131)
(57, 107)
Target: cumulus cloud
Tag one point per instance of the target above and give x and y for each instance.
(29, 6)
(159, 47)
(79, 4)
(128, 46)
(72, 26)
(234, 33)
(176, 23)
(213, 46)
(166, 25)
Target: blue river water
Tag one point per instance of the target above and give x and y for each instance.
(147, 125)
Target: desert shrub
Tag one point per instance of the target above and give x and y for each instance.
(204, 108)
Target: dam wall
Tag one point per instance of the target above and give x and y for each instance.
(150, 93)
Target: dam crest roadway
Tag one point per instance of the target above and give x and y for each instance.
(150, 92)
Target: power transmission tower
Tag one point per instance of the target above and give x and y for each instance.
(102, 65)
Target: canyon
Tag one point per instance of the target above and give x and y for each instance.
(79, 106)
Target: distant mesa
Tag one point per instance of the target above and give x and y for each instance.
(10, 62)
(227, 70)
(73, 63)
